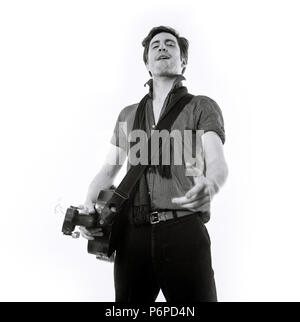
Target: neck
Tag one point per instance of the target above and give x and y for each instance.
(162, 86)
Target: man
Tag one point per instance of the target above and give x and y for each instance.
(167, 246)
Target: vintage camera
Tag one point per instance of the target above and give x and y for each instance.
(102, 217)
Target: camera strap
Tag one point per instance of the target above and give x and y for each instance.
(123, 191)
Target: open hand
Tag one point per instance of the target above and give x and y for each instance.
(197, 198)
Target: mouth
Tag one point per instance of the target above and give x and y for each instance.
(163, 57)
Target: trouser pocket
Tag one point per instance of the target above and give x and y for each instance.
(203, 227)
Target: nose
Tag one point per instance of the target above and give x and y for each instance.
(162, 47)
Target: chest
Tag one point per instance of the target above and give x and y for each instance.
(157, 108)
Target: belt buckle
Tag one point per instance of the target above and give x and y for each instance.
(155, 219)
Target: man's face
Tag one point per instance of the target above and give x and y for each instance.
(164, 56)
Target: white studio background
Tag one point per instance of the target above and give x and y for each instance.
(66, 70)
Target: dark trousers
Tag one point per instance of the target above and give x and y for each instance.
(173, 256)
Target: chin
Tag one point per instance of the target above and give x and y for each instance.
(166, 73)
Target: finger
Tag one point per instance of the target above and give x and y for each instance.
(94, 230)
(87, 237)
(196, 198)
(180, 200)
(91, 211)
(185, 200)
(113, 209)
(200, 195)
(83, 210)
(99, 234)
(84, 231)
(196, 189)
(196, 204)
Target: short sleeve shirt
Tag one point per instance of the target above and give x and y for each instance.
(201, 113)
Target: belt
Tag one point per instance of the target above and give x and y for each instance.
(163, 215)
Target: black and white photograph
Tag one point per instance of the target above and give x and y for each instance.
(149, 152)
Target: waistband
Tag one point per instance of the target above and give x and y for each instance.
(159, 215)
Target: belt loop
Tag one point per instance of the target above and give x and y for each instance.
(174, 212)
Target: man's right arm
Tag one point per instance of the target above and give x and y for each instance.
(105, 177)
(103, 180)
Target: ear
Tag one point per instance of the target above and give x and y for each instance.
(183, 65)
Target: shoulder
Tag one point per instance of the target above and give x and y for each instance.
(128, 112)
(206, 105)
(203, 101)
(209, 116)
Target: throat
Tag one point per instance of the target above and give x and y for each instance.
(157, 107)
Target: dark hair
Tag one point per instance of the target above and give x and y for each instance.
(182, 42)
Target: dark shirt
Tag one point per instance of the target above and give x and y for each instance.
(201, 113)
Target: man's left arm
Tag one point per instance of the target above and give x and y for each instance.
(206, 185)
(216, 166)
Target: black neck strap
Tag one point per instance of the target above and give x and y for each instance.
(123, 191)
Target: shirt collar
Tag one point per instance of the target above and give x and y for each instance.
(177, 83)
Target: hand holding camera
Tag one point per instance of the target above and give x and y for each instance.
(95, 224)
(89, 233)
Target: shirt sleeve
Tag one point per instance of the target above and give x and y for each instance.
(211, 118)
(119, 137)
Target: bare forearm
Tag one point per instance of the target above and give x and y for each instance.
(103, 180)
(217, 173)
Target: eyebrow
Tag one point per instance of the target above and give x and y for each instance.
(158, 41)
